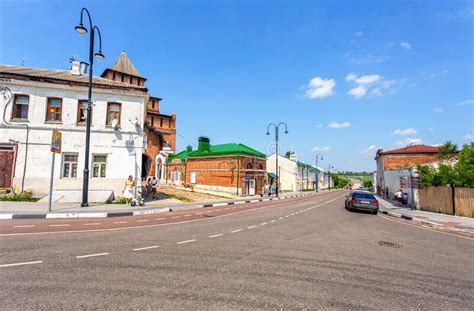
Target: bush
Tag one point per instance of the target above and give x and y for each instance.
(25, 196)
(119, 200)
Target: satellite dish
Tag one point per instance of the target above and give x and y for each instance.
(115, 123)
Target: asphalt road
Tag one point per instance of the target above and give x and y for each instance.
(308, 253)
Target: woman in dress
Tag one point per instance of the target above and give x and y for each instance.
(128, 189)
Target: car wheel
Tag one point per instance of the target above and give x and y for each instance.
(375, 212)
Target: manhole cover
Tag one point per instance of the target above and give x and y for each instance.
(389, 244)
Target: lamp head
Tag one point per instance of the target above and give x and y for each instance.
(286, 131)
(81, 29)
(268, 133)
(99, 55)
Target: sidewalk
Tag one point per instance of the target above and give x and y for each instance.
(389, 208)
(29, 210)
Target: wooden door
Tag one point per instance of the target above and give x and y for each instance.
(6, 168)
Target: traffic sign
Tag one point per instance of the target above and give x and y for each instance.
(56, 141)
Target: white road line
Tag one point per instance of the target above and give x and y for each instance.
(24, 226)
(92, 255)
(198, 214)
(251, 227)
(263, 224)
(174, 217)
(144, 248)
(293, 214)
(142, 220)
(63, 225)
(286, 216)
(120, 222)
(160, 218)
(216, 235)
(92, 224)
(273, 220)
(235, 231)
(187, 241)
(20, 264)
(188, 215)
(281, 218)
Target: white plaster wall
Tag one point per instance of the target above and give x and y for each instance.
(122, 146)
(392, 181)
(288, 172)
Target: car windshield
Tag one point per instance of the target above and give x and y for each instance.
(359, 195)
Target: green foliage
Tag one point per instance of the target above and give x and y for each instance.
(119, 200)
(447, 150)
(25, 196)
(339, 181)
(459, 175)
(288, 154)
(368, 183)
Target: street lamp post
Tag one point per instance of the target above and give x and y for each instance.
(277, 179)
(318, 156)
(329, 176)
(83, 30)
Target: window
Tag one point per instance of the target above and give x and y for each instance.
(161, 122)
(175, 177)
(260, 166)
(113, 112)
(249, 166)
(53, 110)
(82, 111)
(152, 121)
(69, 166)
(20, 107)
(99, 163)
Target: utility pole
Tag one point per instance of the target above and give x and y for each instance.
(277, 179)
(318, 155)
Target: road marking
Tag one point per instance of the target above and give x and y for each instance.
(286, 216)
(281, 218)
(142, 220)
(273, 220)
(174, 217)
(120, 222)
(160, 218)
(188, 215)
(63, 225)
(92, 224)
(235, 231)
(187, 241)
(251, 227)
(216, 235)
(217, 210)
(144, 248)
(292, 214)
(24, 226)
(21, 264)
(92, 255)
(263, 224)
(198, 214)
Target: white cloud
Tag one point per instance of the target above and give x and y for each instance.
(371, 149)
(466, 102)
(322, 148)
(405, 45)
(319, 125)
(383, 88)
(468, 137)
(438, 109)
(437, 145)
(336, 125)
(351, 77)
(408, 131)
(357, 92)
(319, 88)
(368, 79)
(409, 141)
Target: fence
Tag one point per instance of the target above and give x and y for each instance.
(441, 200)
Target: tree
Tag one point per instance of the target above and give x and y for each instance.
(367, 183)
(288, 154)
(447, 150)
(465, 166)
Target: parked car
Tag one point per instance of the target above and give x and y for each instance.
(361, 200)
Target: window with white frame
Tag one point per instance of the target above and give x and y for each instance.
(99, 165)
(175, 177)
(69, 168)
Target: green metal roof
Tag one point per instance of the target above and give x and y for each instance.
(222, 150)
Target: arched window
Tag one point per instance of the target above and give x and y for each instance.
(260, 166)
(249, 166)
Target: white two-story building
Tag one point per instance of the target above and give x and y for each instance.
(42, 100)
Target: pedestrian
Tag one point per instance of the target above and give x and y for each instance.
(266, 190)
(148, 188)
(153, 183)
(405, 198)
(399, 197)
(128, 189)
(273, 189)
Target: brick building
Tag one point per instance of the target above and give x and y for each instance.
(235, 169)
(159, 129)
(395, 168)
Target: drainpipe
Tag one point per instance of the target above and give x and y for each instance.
(238, 173)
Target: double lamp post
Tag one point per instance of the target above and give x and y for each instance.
(277, 136)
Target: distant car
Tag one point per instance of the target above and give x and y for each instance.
(361, 200)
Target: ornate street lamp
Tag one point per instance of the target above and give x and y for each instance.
(83, 30)
(318, 157)
(277, 127)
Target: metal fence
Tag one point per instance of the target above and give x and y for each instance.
(448, 200)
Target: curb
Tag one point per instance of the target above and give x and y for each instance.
(418, 220)
(135, 213)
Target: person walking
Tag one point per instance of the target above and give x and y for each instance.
(274, 189)
(128, 189)
(399, 197)
(153, 184)
(148, 188)
(266, 190)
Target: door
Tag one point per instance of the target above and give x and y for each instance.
(250, 186)
(6, 166)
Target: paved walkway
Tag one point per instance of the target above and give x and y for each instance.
(39, 208)
(426, 217)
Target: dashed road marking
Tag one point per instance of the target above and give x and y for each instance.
(92, 224)
(24, 226)
(92, 255)
(187, 241)
(21, 264)
(216, 235)
(251, 227)
(273, 220)
(286, 216)
(188, 215)
(62, 225)
(160, 218)
(281, 218)
(174, 217)
(120, 222)
(217, 210)
(235, 231)
(144, 248)
(263, 224)
(142, 220)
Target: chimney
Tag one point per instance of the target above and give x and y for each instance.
(189, 148)
(78, 68)
(204, 143)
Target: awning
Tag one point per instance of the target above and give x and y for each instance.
(272, 175)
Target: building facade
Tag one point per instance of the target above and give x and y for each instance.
(233, 169)
(43, 100)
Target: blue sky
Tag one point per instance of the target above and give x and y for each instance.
(344, 75)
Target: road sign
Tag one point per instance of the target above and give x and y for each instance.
(56, 141)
